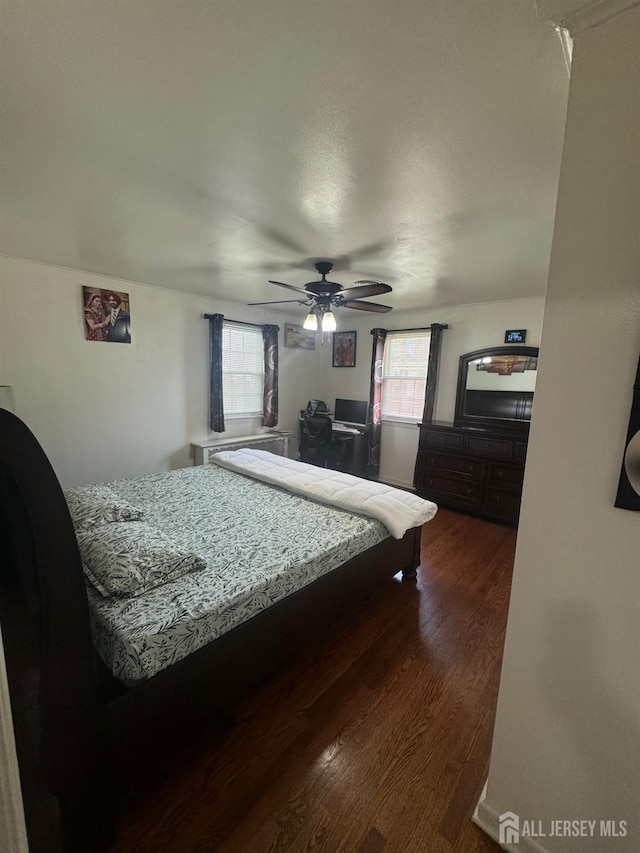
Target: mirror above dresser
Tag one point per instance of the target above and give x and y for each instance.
(496, 387)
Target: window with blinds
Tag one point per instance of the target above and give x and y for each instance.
(242, 370)
(404, 374)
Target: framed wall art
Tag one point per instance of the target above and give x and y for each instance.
(296, 336)
(344, 349)
(107, 316)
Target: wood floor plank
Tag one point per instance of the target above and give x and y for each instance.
(374, 740)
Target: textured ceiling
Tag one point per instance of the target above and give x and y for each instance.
(209, 146)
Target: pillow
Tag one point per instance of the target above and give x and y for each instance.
(91, 505)
(126, 559)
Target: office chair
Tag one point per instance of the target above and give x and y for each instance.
(320, 447)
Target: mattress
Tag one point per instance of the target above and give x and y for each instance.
(260, 545)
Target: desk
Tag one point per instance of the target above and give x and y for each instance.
(355, 454)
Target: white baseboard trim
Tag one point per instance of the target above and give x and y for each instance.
(488, 819)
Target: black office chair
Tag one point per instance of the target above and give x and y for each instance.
(320, 447)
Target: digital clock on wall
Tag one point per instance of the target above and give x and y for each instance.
(515, 336)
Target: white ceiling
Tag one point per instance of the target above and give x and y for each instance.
(209, 145)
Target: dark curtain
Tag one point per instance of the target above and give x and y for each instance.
(375, 403)
(628, 496)
(270, 396)
(216, 406)
(435, 345)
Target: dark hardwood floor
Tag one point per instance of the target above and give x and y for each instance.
(376, 738)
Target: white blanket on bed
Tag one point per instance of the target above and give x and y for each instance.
(396, 509)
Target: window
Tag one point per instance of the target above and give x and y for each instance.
(404, 375)
(242, 370)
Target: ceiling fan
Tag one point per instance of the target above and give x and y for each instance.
(322, 295)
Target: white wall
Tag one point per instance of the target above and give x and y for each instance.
(103, 411)
(567, 732)
(471, 327)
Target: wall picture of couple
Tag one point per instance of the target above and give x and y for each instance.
(106, 315)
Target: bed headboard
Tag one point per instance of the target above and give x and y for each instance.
(43, 558)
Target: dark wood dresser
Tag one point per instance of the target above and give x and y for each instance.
(476, 470)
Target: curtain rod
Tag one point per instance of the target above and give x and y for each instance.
(419, 329)
(240, 322)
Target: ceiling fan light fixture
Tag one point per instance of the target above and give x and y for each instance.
(310, 322)
(329, 322)
(322, 295)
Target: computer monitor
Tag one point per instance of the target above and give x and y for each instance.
(351, 412)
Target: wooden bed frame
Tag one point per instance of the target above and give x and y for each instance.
(92, 728)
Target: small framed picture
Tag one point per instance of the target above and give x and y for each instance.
(107, 317)
(344, 349)
(296, 336)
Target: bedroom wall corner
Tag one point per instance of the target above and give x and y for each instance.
(103, 411)
(471, 327)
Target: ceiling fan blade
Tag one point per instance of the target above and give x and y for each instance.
(372, 281)
(371, 249)
(285, 240)
(278, 302)
(367, 288)
(375, 307)
(291, 287)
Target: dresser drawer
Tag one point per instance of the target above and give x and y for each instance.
(462, 465)
(455, 488)
(511, 474)
(521, 450)
(503, 504)
(450, 440)
(479, 471)
(500, 447)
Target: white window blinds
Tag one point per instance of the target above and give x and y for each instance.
(242, 370)
(404, 374)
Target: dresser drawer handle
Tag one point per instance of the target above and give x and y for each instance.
(500, 474)
(432, 460)
(468, 491)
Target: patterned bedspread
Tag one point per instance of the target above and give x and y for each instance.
(260, 545)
